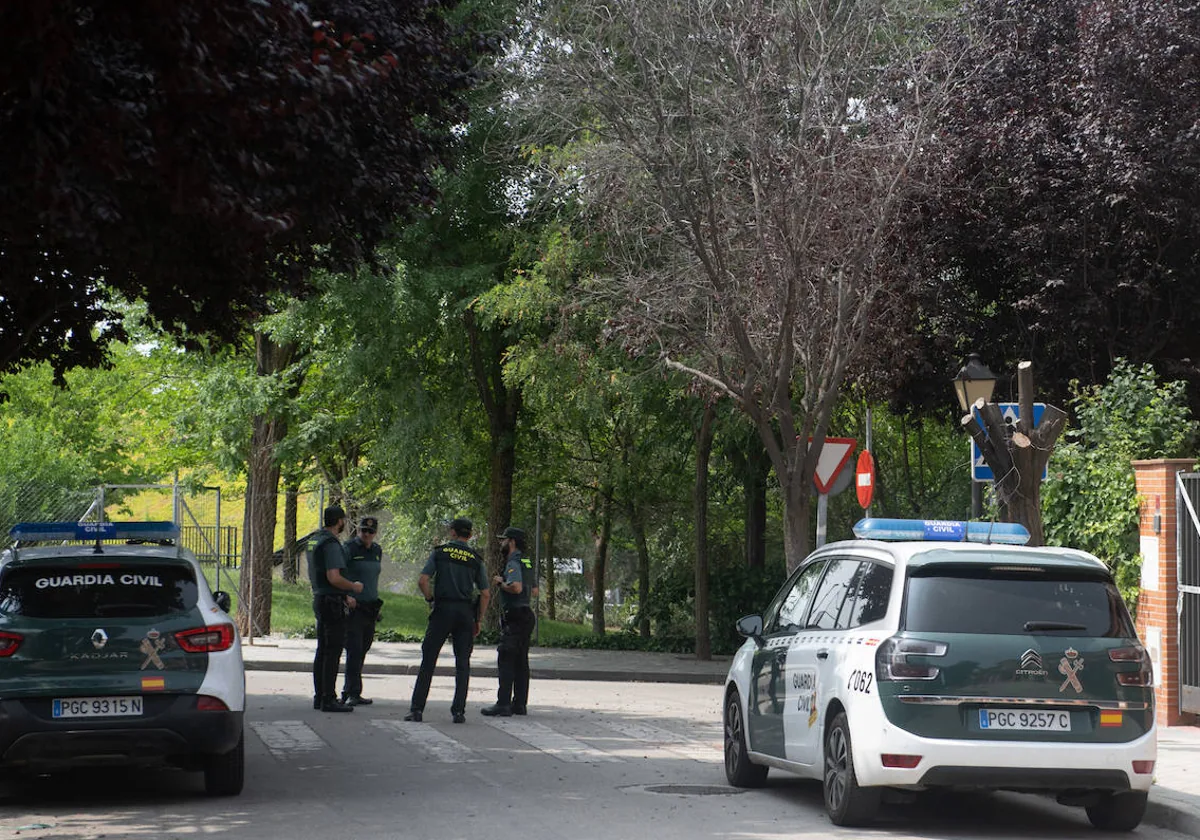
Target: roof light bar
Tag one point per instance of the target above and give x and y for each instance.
(925, 530)
(88, 531)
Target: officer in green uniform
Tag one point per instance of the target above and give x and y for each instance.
(448, 581)
(331, 602)
(364, 560)
(517, 620)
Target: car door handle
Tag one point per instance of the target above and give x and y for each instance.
(823, 653)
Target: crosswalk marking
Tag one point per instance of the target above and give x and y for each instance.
(562, 747)
(645, 733)
(432, 742)
(287, 737)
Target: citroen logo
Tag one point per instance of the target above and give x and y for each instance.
(1031, 664)
(99, 639)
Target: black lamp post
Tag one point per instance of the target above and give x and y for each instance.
(974, 381)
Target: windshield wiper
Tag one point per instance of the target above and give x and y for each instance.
(1034, 626)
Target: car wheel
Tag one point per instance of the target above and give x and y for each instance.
(846, 802)
(1118, 811)
(225, 773)
(738, 769)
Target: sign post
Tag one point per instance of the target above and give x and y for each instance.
(835, 454)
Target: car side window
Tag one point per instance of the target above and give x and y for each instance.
(795, 602)
(871, 596)
(838, 583)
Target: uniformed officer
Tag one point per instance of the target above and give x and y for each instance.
(331, 602)
(517, 620)
(456, 572)
(364, 561)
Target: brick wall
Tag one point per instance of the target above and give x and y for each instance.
(1157, 620)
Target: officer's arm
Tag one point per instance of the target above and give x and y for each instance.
(484, 597)
(425, 587)
(334, 576)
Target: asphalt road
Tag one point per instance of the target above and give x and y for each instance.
(592, 761)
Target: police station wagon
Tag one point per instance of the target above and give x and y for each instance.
(116, 653)
(946, 655)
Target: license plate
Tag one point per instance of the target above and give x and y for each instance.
(1025, 719)
(77, 707)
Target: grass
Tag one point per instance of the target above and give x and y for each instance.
(404, 616)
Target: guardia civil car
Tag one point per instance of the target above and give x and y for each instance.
(113, 650)
(941, 655)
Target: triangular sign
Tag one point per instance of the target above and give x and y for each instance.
(835, 454)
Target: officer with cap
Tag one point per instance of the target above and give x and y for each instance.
(364, 561)
(448, 581)
(516, 626)
(331, 602)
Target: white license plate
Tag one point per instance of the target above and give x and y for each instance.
(1025, 719)
(77, 707)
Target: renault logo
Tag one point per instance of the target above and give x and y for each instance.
(99, 639)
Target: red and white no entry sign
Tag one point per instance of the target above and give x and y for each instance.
(864, 478)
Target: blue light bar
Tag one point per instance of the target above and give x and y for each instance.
(925, 530)
(90, 531)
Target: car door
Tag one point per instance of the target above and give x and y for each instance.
(768, 687)
(814, 658)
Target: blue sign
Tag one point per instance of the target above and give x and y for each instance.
(980, 471)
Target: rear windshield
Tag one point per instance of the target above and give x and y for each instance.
(118, 590)
(1017, 604)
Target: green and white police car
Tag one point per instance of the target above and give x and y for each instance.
(116, 653)
(946, 655)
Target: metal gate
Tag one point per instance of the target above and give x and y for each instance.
(1187, 498)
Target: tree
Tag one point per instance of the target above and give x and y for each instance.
(1064, 227)
(745, 169)
(200, 153)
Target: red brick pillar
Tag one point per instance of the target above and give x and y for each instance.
(1157, 618)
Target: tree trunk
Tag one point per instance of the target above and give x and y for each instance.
(291, 552)
(797, 511)
(548, 568)
(602, 535)
(758, 467)
(704, 438)
(638, 526)
(262, 498)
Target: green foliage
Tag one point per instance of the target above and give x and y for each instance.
(1091, 500)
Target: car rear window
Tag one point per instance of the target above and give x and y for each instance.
(116, 590)
(1014, 603)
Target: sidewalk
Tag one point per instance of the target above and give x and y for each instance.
(1174, 800)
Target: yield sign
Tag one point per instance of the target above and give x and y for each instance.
(835, 454)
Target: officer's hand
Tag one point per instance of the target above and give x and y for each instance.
(358, 587)
(498, 581)
(350, 602)
(476, 628)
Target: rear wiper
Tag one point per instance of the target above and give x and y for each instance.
(1034, 626)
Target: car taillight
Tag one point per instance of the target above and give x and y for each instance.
(205, 703)
(1144, 675)
(892, 659)
(210, 639)
(1143, 768)
(906, 762)
(9, 642)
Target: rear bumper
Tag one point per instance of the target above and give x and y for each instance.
(1008, 765)
(171, 732)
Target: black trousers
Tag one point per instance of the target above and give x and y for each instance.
(512, 660)
(454, 620)
(330, 611)
(360, 633)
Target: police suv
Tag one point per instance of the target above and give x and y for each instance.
(946, 655)
(116, 653)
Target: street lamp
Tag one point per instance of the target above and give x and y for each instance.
(974, 381)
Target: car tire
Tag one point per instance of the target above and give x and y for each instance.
(1118, 811)
(738, 769)
(225, 773)
(846, 802)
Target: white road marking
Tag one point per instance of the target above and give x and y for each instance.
(435, 744)
(645, 733)
(562, 747)
(285, 738)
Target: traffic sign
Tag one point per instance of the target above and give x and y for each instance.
(864, 478)
(980, 471)
(835, 454)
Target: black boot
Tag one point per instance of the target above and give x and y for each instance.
(497, 710)
(331, 704)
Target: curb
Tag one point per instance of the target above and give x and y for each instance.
(392, 669)
(1163, 813)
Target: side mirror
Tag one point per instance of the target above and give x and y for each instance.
(751, 626)
(222, 599)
